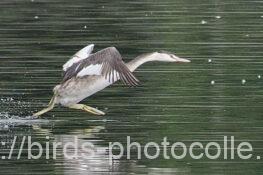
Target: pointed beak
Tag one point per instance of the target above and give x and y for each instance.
(181, 60)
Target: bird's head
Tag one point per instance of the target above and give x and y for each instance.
(169, 57)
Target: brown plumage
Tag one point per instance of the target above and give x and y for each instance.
(111, 62)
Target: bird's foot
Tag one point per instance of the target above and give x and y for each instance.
(36, 115)
(93, 110)
(87, 109)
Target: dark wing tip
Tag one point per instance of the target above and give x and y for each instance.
(128, 78)
(71, 71)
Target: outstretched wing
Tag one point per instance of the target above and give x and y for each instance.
(107, 62)
(80, 55)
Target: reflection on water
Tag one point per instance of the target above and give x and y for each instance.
(82, 160)
(219, 93)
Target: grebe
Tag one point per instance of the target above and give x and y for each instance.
(85, 74)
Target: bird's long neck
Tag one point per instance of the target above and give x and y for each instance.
(136, 62)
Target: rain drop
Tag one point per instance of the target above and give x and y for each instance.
(85, 27)
(209, 60)
(212, 82)
(203, 22)
(259, 76)
(36, 17)
(243, 81)
(218, 17)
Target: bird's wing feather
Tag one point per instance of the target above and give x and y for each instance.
(108, 63)
(80, 55)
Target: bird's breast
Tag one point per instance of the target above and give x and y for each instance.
(78, 88)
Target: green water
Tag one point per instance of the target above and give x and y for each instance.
(177, 101)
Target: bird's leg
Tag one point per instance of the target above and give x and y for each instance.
(87, 109)
(50, 106)
(43, 111)
(52, 100)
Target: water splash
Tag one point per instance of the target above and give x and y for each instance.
(8, 120)
(14, 106)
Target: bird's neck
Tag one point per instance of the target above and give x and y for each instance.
(141, 59)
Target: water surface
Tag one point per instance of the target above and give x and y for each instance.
(223, 39)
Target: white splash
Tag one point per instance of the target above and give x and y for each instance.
(8, 120)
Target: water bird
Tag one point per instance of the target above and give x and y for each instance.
(86, 73)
